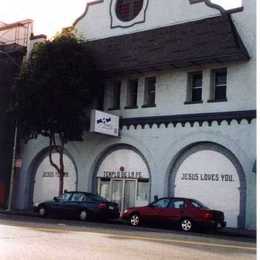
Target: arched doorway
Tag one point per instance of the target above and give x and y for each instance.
(123, 177)
(46, 181)
(211, 174)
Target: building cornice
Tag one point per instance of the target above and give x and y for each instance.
(219, 117)
(218, 7)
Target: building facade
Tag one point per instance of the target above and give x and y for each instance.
(181, 75)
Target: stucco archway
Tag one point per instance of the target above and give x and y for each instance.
(41, 168)
(122, 175)
(211, 173)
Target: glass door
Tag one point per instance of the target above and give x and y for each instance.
(123, 192)
(104, 188)
(129, 193)
(117, 192)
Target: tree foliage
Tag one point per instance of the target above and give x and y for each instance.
(56, 86)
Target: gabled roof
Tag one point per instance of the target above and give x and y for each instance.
(211, 40)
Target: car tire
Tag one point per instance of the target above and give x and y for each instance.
(83, 215)
(42, 211)
(135, 220)
(186, 224)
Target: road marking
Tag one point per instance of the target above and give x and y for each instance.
(149, 239)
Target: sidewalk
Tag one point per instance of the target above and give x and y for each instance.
(233, 232)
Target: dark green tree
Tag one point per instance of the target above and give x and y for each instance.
(56, 86)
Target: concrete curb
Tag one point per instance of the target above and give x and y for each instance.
(232, 232)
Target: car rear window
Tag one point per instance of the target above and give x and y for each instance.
(95, 198)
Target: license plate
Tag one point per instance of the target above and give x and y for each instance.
(110, 207)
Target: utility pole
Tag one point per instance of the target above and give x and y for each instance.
(11, 187)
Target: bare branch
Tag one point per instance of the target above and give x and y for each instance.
(52, 148)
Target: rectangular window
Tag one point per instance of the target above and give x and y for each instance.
(149, 92)
(194, 94)
(116, 95)
(132, 88)
(219, 85)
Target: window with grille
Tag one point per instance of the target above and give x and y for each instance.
(149, 92)
(219, 85)
(194, 94)
(116, 95)
(132, 88)
(127, 10)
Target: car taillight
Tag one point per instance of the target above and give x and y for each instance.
(102, 206)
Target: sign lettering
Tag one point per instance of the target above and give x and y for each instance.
(53, 174)
(207, 177)
(123, 174)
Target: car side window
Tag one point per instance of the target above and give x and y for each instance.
(162, 203)
(64, 197)
(78, 197)
(177, 204)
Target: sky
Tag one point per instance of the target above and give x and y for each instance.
(50, 16)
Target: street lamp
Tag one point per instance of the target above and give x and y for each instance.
(10, 195)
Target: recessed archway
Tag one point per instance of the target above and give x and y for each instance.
(212, 174)
(44, 183)
(123, 176)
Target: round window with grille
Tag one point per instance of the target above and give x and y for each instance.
(127, 10)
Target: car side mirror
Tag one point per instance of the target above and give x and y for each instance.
(150, 205)
(55, 199)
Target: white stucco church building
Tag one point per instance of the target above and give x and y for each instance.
(181, 76)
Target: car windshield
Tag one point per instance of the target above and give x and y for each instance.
(198, 204)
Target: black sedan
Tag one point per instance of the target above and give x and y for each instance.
(81, 205)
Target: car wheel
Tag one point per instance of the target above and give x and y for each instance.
(83, 215)
(135, 220)
(186, 225)
(42, 211)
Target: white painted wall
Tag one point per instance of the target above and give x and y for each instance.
(159, 146)
(128, 159)
(211, 178)
(96, 23)
(171, 91)
(47, 181)
(171, 85)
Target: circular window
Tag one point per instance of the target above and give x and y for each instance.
(127, 10)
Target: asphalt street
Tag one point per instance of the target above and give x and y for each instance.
(36, 238)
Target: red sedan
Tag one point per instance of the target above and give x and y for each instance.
(187, 213)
